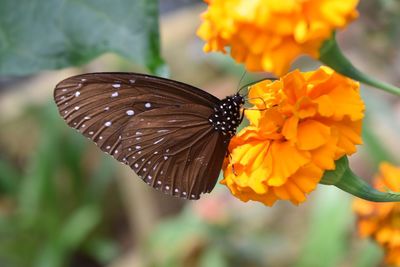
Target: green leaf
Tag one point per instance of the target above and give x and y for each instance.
(53, 34)
(342, 177)
(332, 56)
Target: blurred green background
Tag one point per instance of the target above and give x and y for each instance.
(64, 203)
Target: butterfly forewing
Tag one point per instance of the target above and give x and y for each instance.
(100, 104)
(175, 149)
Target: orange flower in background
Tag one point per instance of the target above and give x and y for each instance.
(304, 122)
(267, 35)
(381, 221)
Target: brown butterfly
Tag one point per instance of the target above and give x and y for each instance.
(173, 135)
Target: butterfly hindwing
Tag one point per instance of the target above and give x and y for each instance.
(175, 150)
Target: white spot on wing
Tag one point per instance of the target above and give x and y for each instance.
(108, 124)
(116, 85)
(114, 94)
(147, 105)
(158, 141)
(77, 93)
(130, 112)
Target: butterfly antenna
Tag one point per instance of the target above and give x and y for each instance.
(241, 79)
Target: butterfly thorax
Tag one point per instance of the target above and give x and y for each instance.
(227, 115)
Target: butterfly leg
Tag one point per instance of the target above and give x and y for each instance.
(233, 165)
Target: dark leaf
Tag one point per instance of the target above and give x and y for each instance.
(53, 34)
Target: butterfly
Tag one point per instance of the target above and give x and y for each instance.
(173, 135)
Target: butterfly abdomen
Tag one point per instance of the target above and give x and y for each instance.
(227, 115)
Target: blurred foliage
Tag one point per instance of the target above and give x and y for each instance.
(382, 17)
(329, 227)
(203, 243)
(52, 34)
(55, 206)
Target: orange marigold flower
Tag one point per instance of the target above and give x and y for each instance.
(267, 35)
(381, 221)
(304, 122)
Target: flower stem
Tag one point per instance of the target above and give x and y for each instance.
(346, 180)
(358, 187)
(332, 56)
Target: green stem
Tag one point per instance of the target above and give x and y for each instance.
(346, 180)
(359, 188)
(332, 56)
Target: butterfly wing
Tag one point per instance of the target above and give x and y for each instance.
(105, 106)
(99, 105)
(175, 149)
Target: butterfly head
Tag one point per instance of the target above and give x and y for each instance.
(227, 115)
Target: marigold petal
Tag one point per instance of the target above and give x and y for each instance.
(351, 105)
(326, 107)
(289, 129)
(324, 156)
(349, 136)
(282, 192)
(286, 161)
(307, 177)
(312, 134)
